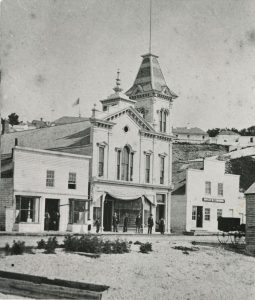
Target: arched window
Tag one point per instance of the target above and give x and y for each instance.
(125, 163)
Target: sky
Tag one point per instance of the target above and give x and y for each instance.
(56, 51)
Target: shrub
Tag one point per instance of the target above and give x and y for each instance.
(51, 245)
(18, 248)
(90, 244)
(7, 249)
(137, 243)
(41, 244)
(146, 247)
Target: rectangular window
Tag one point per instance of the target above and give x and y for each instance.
(162, 169)
(231, 212)
(78, 211)
(131, 166)
(208, 187)
(147, 167)
(27, 209)
(207, 214)
(194, 212)
(118, 164)
(50, 178)
(164, 121)
(161, 121)
(219, 213)
(101, 162)
(72, 181)
(220, 189)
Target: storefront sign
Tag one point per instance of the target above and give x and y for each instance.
(215, 200)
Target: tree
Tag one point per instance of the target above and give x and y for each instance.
(213, 132)
(13, 119)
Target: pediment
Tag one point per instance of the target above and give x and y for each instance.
(134, 115)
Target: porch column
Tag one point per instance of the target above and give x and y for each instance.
(143, 213)
(102, 211)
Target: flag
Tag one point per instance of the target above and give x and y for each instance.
(77, 102)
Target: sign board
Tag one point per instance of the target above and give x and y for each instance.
(214, 200)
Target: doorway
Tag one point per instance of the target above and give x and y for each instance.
(52, 216)
(160, 213)
(199, 216)
(107, 215)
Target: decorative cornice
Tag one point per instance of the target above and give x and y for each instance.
(102, 144)
(160, 136)
(101, 123)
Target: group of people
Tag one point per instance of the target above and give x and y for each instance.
(138, 223)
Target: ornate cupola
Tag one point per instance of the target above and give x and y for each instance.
(152, 94)
(118, 99)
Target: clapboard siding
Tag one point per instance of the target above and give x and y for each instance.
(250, 222)
(30, 168)
(6, 198)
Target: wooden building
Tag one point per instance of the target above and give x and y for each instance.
(250, 218)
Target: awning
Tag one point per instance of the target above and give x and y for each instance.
(149, 198)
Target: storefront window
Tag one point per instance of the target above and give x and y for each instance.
(78, 211)
(27, 209)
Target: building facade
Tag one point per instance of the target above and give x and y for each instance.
(46, 190)
(130, 144)
(208, 194)
(192, 135)
(250, 219)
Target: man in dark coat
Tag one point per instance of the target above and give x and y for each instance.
(125, 223)
(150, 224)
(115, 222)
(138, 223)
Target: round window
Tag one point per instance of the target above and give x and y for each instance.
(126, 129)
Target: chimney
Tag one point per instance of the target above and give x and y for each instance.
(41, 119)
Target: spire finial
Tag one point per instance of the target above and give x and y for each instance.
(117, 88)
(150, 25)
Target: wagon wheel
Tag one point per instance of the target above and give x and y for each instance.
(237, 238)
(223, 237)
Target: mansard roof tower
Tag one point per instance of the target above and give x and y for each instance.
(154, 98)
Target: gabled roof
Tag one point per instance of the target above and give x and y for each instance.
(63, 136)
(251, 189)
(150, 79)
(68, 120)
(134, 114)
(185, 130)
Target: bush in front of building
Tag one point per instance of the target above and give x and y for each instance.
(146, 247)
(51, 245)
(41, 244)
(17, 248)
(90, 244)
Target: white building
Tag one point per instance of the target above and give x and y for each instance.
(130, 143)
(45, 182)
(206, 195)
(192, 135)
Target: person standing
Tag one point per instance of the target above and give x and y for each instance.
(138, 223)
(162, 226)
(115, 222)
(97, 224)
(150, 224)
(125, 223)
